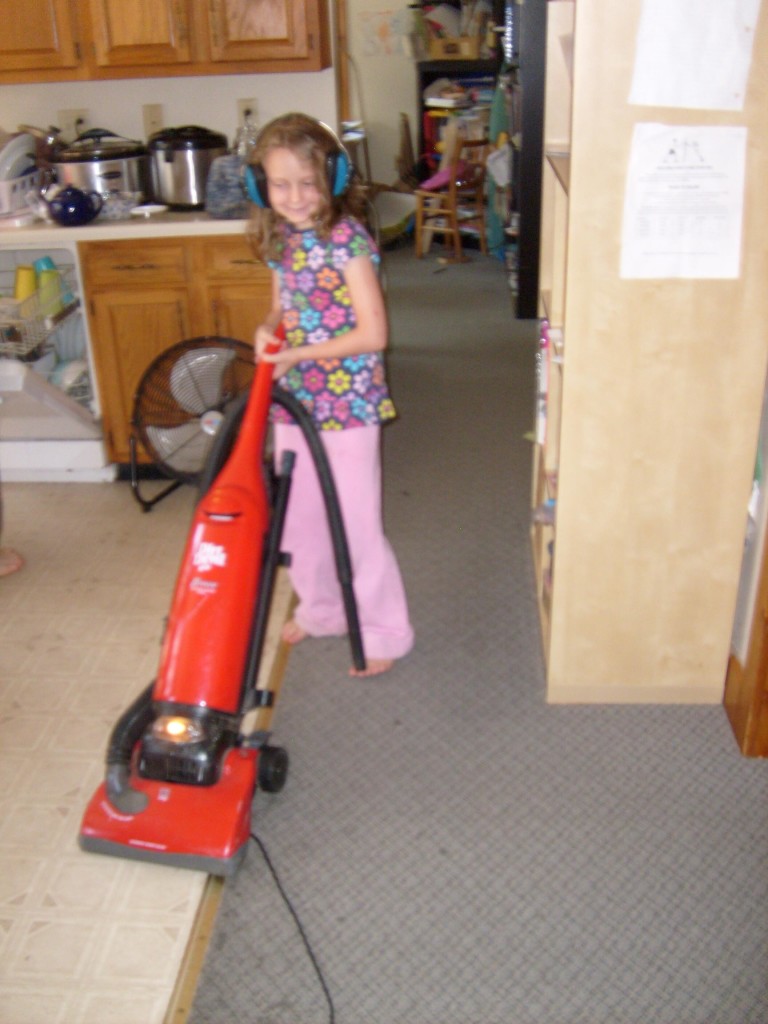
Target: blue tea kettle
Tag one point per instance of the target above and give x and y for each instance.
(71, 207)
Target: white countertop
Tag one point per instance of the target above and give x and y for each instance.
(42, 234)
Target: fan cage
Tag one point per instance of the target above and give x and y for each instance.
(182, 395)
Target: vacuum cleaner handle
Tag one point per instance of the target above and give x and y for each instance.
(271, 557)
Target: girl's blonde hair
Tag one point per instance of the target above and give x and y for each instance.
(314, 143)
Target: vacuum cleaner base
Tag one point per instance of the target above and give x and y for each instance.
(205, 828)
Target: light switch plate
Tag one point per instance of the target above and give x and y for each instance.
(152, 114)
(247, 108)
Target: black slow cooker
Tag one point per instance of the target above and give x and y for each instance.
(180, 159)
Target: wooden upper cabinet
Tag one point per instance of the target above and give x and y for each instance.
(259, 29)
(68, 40)
(134, 33)
(38, 34)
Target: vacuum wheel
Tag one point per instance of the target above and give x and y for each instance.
(273, 769)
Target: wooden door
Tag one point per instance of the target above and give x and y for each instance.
(134, 33)
(38, 34)
(129, 328)
(237, 308)
(235, 286)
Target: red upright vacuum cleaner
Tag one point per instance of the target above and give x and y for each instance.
(180, 772)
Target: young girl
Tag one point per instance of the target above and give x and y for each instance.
(326, 292)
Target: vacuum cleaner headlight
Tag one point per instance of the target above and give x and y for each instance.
(186, 747)
(177, 729)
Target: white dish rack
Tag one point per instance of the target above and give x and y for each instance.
(26, 325)
(14, 191)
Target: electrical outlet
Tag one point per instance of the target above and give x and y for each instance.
(73, 123)
(152, 114)
(247, 109)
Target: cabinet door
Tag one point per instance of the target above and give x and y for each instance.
(38, 34)
(237, 287)
(130, 327)
(264, 30)
(132, 33)
(238, 309)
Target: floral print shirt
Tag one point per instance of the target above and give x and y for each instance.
(338, 393)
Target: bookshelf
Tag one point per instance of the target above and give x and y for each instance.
(653, 399)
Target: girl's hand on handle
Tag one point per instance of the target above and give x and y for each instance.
(266, 343)
(270, 348)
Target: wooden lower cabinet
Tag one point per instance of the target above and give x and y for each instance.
(130, 328)
(142, 297)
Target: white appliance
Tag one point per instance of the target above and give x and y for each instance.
(49, 411)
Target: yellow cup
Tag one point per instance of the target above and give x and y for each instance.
(26, 282)
(50, 292)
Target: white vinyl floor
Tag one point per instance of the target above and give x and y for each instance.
(84, 939)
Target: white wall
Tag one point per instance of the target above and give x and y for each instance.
(382, 84)
(210, 101)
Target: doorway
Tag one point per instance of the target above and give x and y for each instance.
(375, 77)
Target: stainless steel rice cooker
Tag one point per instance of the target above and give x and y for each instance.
(100, 161)
(180, 159)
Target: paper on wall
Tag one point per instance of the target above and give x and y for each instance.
(683, 202)
(694, 54)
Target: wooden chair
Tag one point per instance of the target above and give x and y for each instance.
(453, 200)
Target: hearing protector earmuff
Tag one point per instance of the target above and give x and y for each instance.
(338, 168)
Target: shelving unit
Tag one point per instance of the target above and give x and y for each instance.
(653, 396)
(527, 138)
(468, 73)
(524, 67)
(555, 181)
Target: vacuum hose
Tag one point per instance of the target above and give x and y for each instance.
(127, 731)
(333, 510)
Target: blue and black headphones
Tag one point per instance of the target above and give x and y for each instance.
(338, 168)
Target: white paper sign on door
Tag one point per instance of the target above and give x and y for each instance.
(683, 202)
(694, 54)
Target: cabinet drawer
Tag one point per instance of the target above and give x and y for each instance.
(228, 257)
(153, 261)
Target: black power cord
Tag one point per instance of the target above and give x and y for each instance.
(302, 933)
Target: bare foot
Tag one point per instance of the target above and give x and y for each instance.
(10, 561)
(292, 633)
(373, 667)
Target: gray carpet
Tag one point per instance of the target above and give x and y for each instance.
(458, 851)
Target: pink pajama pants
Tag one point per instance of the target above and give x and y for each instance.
(355, 460)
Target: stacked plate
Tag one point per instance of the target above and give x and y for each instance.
(17, 155)
(18, 176)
